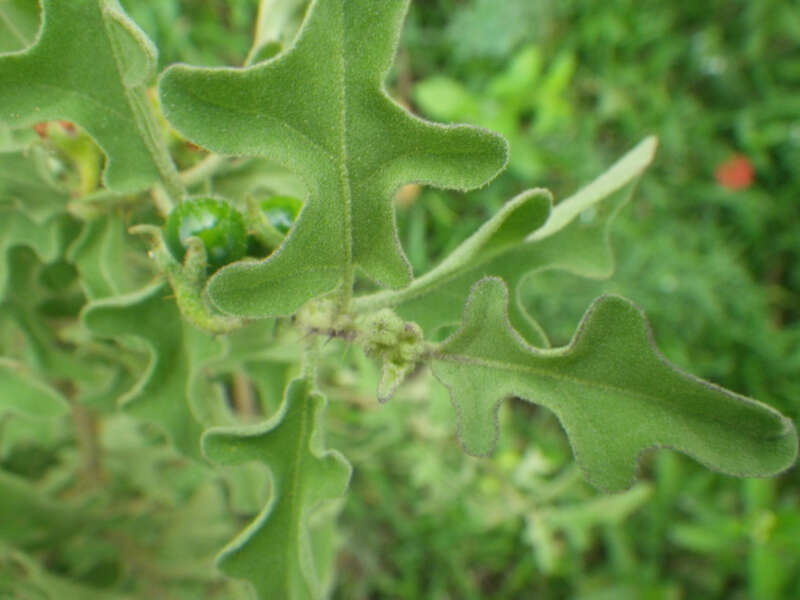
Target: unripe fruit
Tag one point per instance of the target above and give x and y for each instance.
(219, 226)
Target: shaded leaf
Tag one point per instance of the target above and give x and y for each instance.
(18, 230)
(275, 551)
(72, 72)
(38, 583)
(24, 184)
(613, 392)
(102, 247)
(320, 109)
(22, 393)
(162, 395)
(38, 518)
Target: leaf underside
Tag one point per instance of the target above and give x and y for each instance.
(613, 392)
(320, 110)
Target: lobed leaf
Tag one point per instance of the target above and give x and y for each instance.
(162, 395)
(98, 252)
(320, 109)
(613, 392)
(18, 230)
(275, 552)
(563, 242)
(80, 68)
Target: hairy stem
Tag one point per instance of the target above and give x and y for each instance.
(311, 360)
(153, 138)
(203, 170)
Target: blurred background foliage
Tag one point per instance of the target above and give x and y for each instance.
(713, 260)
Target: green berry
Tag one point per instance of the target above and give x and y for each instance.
(281, 211)
(219, 226)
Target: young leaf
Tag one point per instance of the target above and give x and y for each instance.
(162, 395)
(86, 58)
(275, 551)
(320, 109)
(613, 392)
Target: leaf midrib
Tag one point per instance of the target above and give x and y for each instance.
(295, 500)
(592, 385)
(344, 170)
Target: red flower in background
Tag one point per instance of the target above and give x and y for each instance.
(736, 173)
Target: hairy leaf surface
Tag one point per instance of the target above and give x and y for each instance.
(275, 551)
(84, 62)
(613, 392)
(563, 241)
(320, 109)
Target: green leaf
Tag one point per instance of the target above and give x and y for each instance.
(25, 183)
(434, 300)
(445, 99)
(563, 242)
(19, 21)
(102, 246)
(86, 59)
(38, 518)
(162, 395)
(613, 392)
(17, 229)
(28, 579)
(320, 109)
(22, 393)
(277, 23)
(275, 552)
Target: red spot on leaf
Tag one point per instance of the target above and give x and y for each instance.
(736, 173)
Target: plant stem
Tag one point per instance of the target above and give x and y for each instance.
(311, 360)
(87, 434)
(163, 202)
(390, 298)
(153, 138)
(244, 398)
(202, 170)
